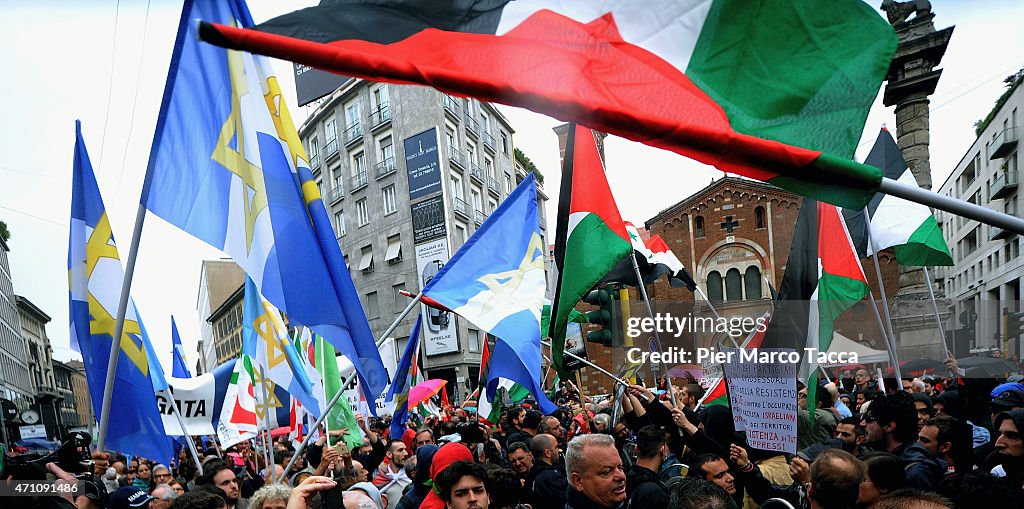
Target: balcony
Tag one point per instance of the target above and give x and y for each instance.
(472, 126)
(476, 173)
(1004, 184)
(488, 141)
(331, 149)
(493, 186)
(1004, 143)
(358, 181)
(478, 217)
(995, 233)
(451, 107)
(380, 117)
(336, 194)
(457, 157)
(353, 133)
(384, 168)
(461, 207)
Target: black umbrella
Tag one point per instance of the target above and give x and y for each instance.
(917, 367)
(987, 366)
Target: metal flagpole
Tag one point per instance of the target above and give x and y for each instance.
(891, 336)
(657, 337)
(969, 210)
(591, 364)
(345, 382)
(266, 423)
(889, 347)
(715, 311)
(122, 310)
(184, 429)
(935, 305)
(323, 380)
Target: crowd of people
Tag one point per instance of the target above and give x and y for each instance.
(863, 442)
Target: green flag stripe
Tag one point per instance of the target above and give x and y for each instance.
(836, 294)
(925, 247)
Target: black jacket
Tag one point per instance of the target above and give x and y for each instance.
(644, 490)
(546, 486)
(577, 500)
(924, 471)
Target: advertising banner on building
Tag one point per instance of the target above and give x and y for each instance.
(439, 330)
(423, 164)
(428, 219)
(312, 84)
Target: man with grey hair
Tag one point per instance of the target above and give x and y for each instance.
(596, 476)
(163, 496)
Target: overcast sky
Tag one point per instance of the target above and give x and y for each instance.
(105, 62)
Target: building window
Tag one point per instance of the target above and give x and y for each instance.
(759, 221)
(504, 143)
(489, 167)
(733, 285)
(388, 194)
(339, 223)
(752, 282)
(455, 184)
(372, 307)
(460, 235)
(362, 217)
(387, 152)
(352, 115)
(366, 259)
(475, 200)
(400, 300)
(394, 252)
(715, 287)
(698, 227)
(474, 341)
(358, 164)
(330, 133)
(508, 184)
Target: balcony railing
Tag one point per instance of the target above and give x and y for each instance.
(995, 233)
(336, 194)
(488, 141)
(476, 173)
(478, 217)
(493, 186)
(353, 132)
(451, 106)
(358, 181)
(331, 149)
(461, 207)
(457, 157)
(1003, 185)
(380, 116)
(472, 126)
(1004, 142)
(384, 168)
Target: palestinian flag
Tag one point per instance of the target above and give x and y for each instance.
(653, 259)
(907, 227)
(776, 90)
(823, 279)
(590, 237)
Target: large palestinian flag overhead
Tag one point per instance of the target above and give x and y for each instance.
(776, 90)
(907, 227)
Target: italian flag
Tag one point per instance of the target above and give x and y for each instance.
(907, 227)
(776, 90)
(239, 410)
(590, 237)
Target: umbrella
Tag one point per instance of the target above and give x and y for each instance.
(686, 371)
(987, 366)
(922, 366)
(425, 390)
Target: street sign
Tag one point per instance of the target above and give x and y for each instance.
(33, 431)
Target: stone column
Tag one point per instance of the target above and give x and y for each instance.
(911, 79)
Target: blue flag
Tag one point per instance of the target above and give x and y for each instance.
(227, 166)
(265, 339)
(179, 367)
(496, 280)
(95, 276)
(399, 390)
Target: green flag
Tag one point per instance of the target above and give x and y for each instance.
(341, 416)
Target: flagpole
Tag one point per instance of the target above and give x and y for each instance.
(184, 429)
(891, 336)
(323, 381)
(591, 364)
(122, 310)
(345, 382)
(952, 205)
(889, 347)
(657, 337)
(935, 305)
(266, 420)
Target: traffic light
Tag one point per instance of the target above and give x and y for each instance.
(1014, 324)
(603, 318)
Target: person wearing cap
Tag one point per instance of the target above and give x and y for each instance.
(1008, 459)
(129, 497)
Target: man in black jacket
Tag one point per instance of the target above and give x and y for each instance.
(546, 482)
(643, 488)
